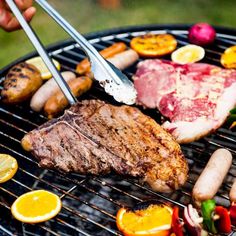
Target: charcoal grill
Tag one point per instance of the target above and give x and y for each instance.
(90, 203)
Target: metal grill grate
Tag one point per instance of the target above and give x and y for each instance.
(90, 203)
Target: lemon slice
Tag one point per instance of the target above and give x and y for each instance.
(188, 54)
(228, 58)
(36, 206)
(8, 167)
(40, 65)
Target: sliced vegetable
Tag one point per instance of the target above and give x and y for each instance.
(191, 220)
(151, 45)
(208, 208)
(176, 224)
(154, 220)
(232, 213)
(188, 54)
(228, 58)
(224, 223)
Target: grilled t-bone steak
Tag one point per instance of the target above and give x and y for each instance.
(195, 97)
(93, 137)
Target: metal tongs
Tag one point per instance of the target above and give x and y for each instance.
(112, 79)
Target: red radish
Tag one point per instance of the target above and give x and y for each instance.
(202, 34)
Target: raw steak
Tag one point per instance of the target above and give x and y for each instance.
(195, 97)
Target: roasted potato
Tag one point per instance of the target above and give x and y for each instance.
(20, 84)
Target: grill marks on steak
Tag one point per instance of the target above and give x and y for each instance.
(195, 97)
(95, 138)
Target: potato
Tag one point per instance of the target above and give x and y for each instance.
(20, 84)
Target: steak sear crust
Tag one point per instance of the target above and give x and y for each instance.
(93, 137)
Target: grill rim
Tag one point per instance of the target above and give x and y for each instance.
(115, 31)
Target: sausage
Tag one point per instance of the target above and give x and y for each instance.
(212, 176)
(121, 60)
(232, 193)
(84, 66)
(124, 59)
(57, 102)
(47, 90)
(21, 83)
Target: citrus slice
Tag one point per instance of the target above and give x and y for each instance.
(188, 54)
(228, 58)
(151, 45)
(8, 167)
(40, 65)
(36, 206)
(153, 221)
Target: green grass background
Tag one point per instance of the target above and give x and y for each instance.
(87, 16)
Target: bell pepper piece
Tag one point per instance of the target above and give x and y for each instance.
(232, 213)
(176, 224)
(208, 208)
(233, 111)
(224, 223)
(233, 125)
(231, 118)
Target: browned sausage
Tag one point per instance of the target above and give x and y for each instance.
(84, 66)
(47, 90)
(57, 102)
(212, 176)
(124, 59)
(121, 60)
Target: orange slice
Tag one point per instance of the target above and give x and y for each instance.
(153, 221)
(36, 206)
(188, 54)
(8, 167)
(228, 58)
(40, 65)
(151, 45)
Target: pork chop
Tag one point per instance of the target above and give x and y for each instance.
(93, 137)
(195, 97)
